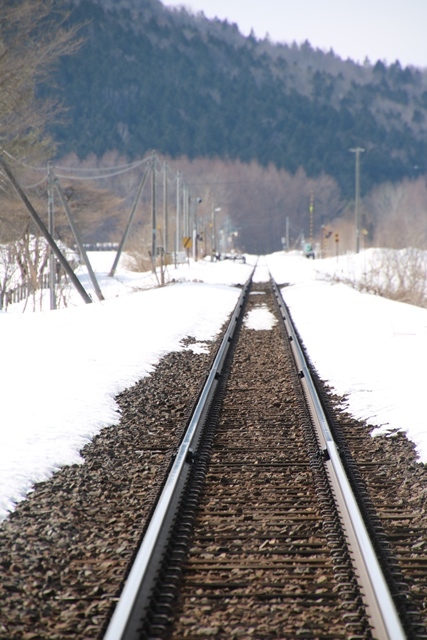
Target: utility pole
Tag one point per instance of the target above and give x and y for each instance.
(178, 214)
(44, 230)
(165, 207)
(357, 151)
(197, 201)
(153, 210)
(311, 218)
(77, 238)
(186, 199)
(129, 223)
(50, 213)
(214, 240)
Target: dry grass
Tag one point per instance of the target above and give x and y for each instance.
(395, 274)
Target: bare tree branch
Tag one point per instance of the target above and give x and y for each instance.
(33, 36)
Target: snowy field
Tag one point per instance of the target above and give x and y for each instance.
(61, 370)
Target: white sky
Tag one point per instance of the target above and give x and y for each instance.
(385, 30)
(60, 371)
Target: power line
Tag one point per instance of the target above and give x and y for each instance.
(37, 184)
(114, 171)
(98, 171)
(23, 164)
(96, 177)
(120, 166)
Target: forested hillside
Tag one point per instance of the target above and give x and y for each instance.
(148, 77)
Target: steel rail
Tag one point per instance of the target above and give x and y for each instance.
(136, 594)
(379, 602)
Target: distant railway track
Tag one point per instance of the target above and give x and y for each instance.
(257, 532)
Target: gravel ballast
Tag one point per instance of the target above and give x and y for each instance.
(65, 551)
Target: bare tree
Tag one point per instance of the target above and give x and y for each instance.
(32, 37)
(399, 211)
(8, 269)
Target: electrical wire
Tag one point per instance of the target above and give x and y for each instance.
(23, 164)
(113, 171)
(94, 177)
(123, 167)
(37, 184)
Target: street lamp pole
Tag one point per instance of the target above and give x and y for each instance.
(213, 237)
(357, 151)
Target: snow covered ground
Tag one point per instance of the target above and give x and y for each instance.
(60, 371)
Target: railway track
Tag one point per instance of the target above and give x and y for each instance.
(261, 551)
(264, 538)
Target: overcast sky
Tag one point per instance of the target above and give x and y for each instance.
(387, 30)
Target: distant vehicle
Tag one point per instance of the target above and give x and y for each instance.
(237, 257)
(308, 251)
